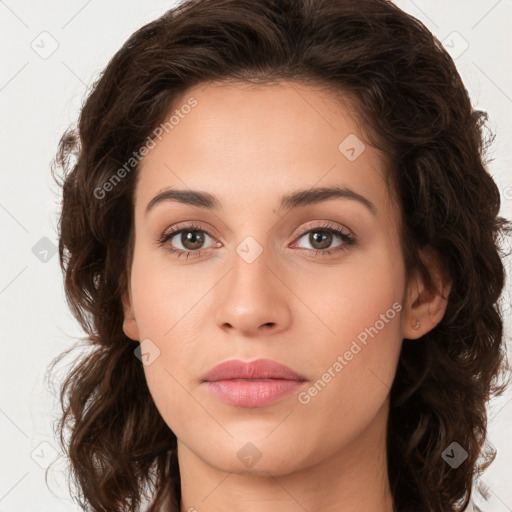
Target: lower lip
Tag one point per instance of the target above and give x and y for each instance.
(252, 393)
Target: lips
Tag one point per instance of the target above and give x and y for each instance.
(253, 384)
(254, 370)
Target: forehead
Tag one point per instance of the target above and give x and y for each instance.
(250, 144)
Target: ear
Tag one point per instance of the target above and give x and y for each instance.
(129, 323)
(424, 309)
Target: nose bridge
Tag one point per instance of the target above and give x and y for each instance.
(252, 296)
(251, 274)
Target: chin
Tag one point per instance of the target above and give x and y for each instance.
(246, 456)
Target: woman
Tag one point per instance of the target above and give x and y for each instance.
(282, 241)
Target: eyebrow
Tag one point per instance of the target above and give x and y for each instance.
(296, 199)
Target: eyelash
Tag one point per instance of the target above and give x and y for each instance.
(348, 239)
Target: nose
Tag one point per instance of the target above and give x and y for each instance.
(253, 298)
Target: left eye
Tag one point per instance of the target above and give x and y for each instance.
(322, 238)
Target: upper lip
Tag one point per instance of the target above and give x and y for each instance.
(259, 369)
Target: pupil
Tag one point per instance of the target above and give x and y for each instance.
(326, 242)
(191, 240)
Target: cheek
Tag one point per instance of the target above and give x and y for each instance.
(354, 375)
(359, 336)
(165, 296)
(170, 398)
(349, 300)
(169, 313)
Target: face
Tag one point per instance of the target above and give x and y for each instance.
(315, 283)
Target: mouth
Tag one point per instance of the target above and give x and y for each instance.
(252, 384)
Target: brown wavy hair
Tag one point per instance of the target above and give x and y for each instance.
(413, 106)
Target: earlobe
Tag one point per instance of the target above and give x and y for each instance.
(129, 322)
(425, 308)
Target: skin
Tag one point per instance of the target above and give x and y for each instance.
(248, 146)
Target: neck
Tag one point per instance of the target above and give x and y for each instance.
(352, 479)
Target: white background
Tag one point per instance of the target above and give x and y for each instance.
(40, 97)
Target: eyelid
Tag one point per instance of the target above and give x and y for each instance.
(326, 225)
(191, 225)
